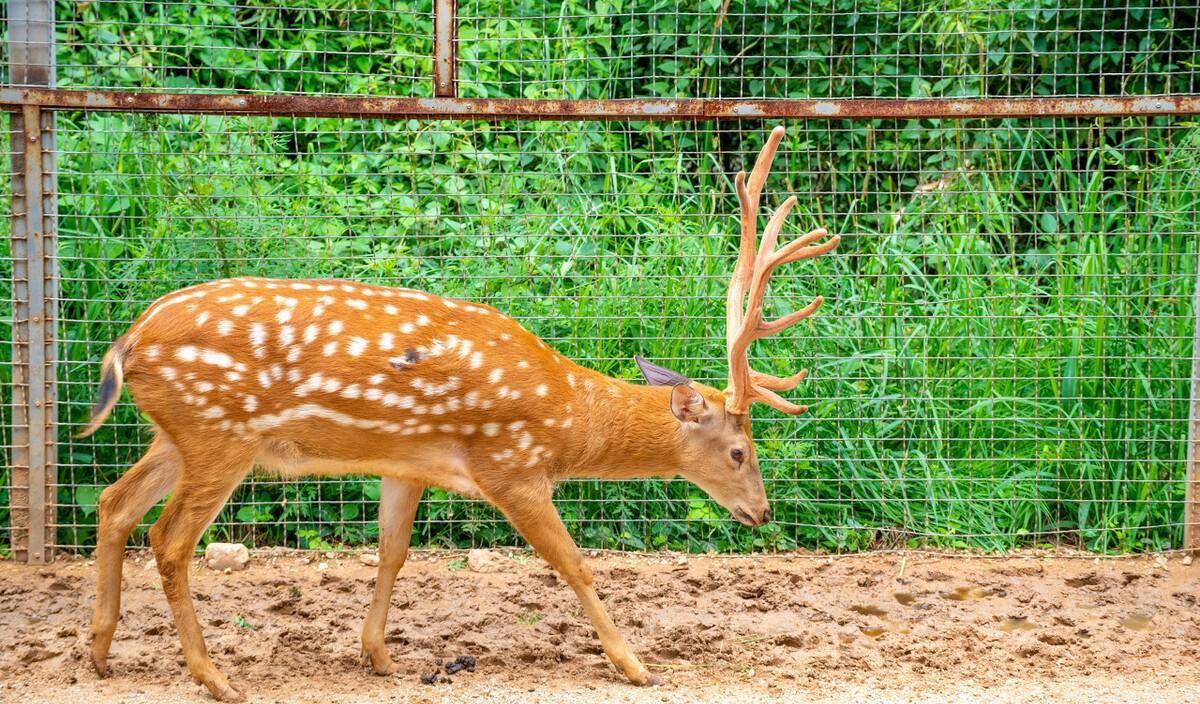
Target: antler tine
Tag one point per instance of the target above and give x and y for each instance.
(756, 262)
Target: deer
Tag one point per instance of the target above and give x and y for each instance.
(330, 377)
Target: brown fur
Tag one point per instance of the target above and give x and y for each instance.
(414, 398)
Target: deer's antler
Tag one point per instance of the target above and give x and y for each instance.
(754, 267)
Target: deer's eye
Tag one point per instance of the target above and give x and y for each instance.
(737, 455)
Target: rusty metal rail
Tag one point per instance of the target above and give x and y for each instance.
(14, 99)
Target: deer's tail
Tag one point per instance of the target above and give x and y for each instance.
(111, 378)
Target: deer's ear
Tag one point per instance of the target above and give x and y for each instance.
(659, 376)
(687, 404)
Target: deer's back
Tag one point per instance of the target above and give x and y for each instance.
(345, 372)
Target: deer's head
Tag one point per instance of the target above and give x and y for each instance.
(718, 448)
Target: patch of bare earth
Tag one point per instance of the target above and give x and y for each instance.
(879, 628)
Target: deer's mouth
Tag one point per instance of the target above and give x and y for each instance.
(744, 518)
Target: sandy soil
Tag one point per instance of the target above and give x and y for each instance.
(881, 628)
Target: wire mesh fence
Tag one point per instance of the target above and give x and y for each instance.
(620, 49)
(1005, 354)
(1003, 360)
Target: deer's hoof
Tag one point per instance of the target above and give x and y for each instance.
(645, 679)
(225, 693)
(100, 665)
(221, 690)
(382, 667)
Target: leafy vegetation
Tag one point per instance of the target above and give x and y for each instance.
(1004, 356)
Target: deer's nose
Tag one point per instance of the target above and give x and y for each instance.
(766, 517)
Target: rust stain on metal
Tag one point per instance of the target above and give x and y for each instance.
(445, 48)
(626, 109)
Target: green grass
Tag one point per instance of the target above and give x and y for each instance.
(1003, 359)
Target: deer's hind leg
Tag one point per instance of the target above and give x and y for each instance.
(210, 475)
(397, 508)
(122, 505)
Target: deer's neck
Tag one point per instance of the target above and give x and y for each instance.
(623, 430)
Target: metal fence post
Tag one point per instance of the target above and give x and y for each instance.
(35, 284)
(1191, 505)
(445, 48)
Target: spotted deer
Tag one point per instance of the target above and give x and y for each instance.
(327, 377)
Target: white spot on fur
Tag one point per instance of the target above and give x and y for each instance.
(287, 335)
(217, 359)
(491, 429)
(394, 400)
(429, 389)
(372, 394)
(187, 353)
(352, 391)
(204, 387)
(522, 364)
(240, 310)
(312, 410)
(476, 360)
(250, 404)
(356, 346)
(168, 373)
(293, 355)
(330, 348)
(422, 320)
(200, 319)
(407, 328)
(224, 327)
(387, 341)
(311, 384)
(356, 304)
(496, 375)
(284, 315)
(391, 309)
(376, 379)
(213, 412)
(264, 380)
(335, 327)
(258, 334)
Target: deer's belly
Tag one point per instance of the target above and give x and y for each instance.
(445, 470)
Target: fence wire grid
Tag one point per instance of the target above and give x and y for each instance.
(1005, 354)
(551, 49)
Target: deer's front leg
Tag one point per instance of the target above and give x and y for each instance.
(534, 515)
(397, 507)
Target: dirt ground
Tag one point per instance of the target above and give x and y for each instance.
(876, 628)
